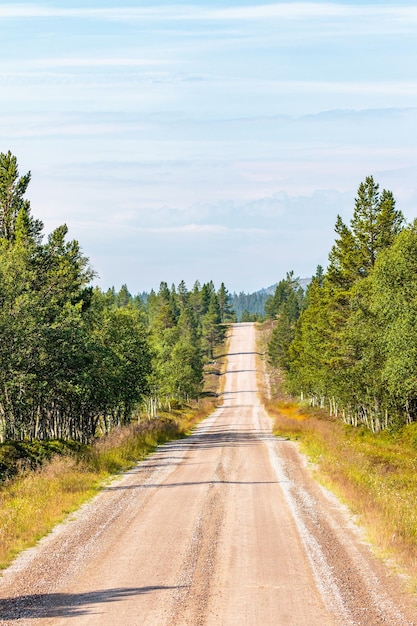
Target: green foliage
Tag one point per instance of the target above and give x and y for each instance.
(249, 317)
(289, 292)
(14, 208)
(373, 227)
(284, 306)
(225, 305)
(249, 307)
(16, 456)
(213, 331)
(394, 304)
(121, 362)
(354, 343)
(185, 327)
(75, 362)
(310, 352)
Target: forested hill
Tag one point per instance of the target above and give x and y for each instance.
(76, 362)
(251, 306)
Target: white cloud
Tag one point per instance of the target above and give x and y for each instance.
(105, 62)
(41, 11)
(284, 10)
(368, 87)
(295, 10)
(205, 229)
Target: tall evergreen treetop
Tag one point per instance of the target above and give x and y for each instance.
(287, 290)
(375, 222)
(224, 300)
(373, 227)
(182, 295)
(12, 202)
(343, 262)
(124, 297)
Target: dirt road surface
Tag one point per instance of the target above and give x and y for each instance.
(224, 528)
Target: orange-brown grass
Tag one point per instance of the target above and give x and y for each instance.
(288, 417)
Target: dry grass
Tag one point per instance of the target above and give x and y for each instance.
(35, 501)
(32, 504)
(375, 475)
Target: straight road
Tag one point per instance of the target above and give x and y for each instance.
(224, 528)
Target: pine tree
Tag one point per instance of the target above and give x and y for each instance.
(226, 308)
(373, 227)
(12, 201)
(285, 306)
(337, 351)
(212, 329)
(124, 297)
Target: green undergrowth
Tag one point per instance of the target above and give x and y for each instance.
(17, 456)
(375, 474)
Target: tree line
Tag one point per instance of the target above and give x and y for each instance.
(76, 361)
(249, 307)
(349, 342)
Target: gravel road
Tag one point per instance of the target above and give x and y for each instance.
(224, 528)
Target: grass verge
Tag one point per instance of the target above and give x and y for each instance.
(42, 482)
(374, 474)
(34, 501)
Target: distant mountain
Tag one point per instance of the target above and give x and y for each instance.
(268, 290)
(304, 282)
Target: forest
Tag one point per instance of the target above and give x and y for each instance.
(249, 307)
(75, 361)
(349, 342)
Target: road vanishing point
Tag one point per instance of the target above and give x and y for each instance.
(224, 528)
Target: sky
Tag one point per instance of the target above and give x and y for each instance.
(208, 140)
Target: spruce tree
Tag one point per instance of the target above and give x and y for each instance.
(12, 202)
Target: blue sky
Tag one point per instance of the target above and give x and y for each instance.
(208, 140)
